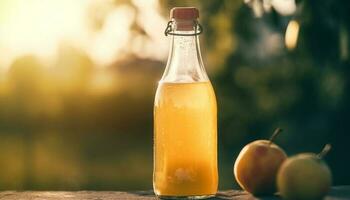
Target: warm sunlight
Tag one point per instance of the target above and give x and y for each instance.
(39, 27)
(145, 99)
(33, 26)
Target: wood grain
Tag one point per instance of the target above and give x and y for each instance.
(337, 193)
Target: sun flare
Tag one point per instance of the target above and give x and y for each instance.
(38, 27)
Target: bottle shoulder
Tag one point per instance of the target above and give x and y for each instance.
(185, 61)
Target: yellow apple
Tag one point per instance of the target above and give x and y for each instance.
(257, 165)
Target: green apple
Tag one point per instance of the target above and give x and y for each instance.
(305, 177)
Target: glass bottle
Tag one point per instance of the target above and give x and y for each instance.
(185, 116)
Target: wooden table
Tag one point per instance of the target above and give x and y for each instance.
(337, 193)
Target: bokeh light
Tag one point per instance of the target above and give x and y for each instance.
(78, 78)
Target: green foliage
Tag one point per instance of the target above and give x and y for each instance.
(62, 127)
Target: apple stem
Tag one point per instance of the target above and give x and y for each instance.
(324, 151)
(274, 135)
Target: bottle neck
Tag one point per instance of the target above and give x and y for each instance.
(185, 60)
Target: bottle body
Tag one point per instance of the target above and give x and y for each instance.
(185, 117)
(185, 139)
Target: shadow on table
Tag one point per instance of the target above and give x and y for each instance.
(234, 194)
(222, 195)
(342, 192)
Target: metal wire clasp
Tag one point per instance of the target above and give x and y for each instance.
(169, 29)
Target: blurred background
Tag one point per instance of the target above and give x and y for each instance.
(78, 78)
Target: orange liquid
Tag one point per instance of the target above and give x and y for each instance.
(185, 142)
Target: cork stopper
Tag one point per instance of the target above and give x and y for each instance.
(184, 17)
(184, 13)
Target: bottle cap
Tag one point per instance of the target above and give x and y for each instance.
(184, 13)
